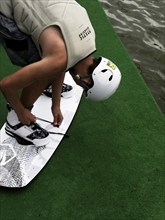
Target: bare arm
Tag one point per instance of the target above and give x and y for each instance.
(51, 66)
(56, 98)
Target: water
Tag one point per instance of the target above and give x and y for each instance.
(141, 27)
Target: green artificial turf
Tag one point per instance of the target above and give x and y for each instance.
(112, 166)
(6, 68)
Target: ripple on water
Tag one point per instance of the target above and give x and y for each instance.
(141, 27)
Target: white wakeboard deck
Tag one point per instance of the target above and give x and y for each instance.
(19, 164)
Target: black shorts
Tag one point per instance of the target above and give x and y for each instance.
(19, 46)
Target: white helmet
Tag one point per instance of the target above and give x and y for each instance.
(106, 79)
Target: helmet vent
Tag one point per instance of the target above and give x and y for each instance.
(103, 71)
(110, 78)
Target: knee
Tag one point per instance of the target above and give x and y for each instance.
(4, 84)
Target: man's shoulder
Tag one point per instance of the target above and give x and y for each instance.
(53, 45)
(51, 40)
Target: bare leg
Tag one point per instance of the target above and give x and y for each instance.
(31, 93)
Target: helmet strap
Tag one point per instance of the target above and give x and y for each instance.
(85, 85)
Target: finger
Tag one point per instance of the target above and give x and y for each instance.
(55, 122)
(30, 119)
(33, 118)
(60, 119)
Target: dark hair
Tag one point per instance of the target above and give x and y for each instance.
(95, 63)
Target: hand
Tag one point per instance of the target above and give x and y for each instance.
(26, 117)
(58, 117)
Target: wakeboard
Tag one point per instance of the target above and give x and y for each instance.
(19, 163)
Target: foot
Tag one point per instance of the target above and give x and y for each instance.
(67, 91)
(25, 134)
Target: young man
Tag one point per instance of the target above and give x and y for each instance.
(65, 39)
